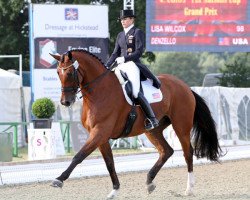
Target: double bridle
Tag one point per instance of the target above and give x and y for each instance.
(76, 81)
(78, 89)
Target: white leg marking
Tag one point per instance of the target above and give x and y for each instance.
(112, 194)
(190, 184)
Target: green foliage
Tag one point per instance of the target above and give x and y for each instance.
(14, 32)
(210, 62)
(237, 73)
(43, 108)
(184, 65)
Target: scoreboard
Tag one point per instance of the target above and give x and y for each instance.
(198, 25)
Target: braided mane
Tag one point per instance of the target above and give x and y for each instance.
(85, 51)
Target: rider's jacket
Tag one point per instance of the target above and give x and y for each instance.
(131, 47)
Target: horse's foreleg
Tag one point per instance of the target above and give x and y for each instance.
(165, 151)
(91, 144)
(108, 158)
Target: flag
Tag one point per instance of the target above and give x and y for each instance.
(224, 41)
(71, 14)
(156, 95)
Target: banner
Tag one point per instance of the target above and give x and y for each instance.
(230, 108)
(60, 28)
(70, 21)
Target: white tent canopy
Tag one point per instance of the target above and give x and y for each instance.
(10, 97)
(10, 101)
(9, 80)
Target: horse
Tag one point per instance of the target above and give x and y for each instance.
(105, 112)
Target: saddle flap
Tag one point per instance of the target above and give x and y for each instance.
(151, 93)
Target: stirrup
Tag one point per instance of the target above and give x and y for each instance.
(149, 125)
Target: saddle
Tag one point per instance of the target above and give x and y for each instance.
(151, 93)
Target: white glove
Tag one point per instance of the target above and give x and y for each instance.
(120, 60)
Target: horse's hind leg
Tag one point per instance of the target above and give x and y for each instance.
(108, 158)
(183, 132)
(165, 151)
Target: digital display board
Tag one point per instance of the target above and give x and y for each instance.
(198, 25)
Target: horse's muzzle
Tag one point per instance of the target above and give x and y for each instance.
(66, 103)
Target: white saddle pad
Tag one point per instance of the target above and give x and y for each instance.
(151, 93)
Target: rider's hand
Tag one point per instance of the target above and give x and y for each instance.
(120, 60)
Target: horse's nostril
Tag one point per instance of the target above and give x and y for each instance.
(65, 103)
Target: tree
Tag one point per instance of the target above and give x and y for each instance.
(183, 65)
(14, 32)
(211, 62)
(237, 72)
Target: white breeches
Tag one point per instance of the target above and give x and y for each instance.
(133, 74)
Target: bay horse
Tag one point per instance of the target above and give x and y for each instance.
(105, 111)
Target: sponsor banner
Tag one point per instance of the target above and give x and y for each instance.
(198, 25)
(47, 84)
(44, 46)
(60, 28)
(70, 21)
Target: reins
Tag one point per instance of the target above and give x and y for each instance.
(96, 79)
(85, 86)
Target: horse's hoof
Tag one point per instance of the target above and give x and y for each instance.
(151, 187)
(189, 192)
(112, 194)
(57, 183)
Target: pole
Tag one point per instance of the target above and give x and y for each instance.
(21, 69)
(15, 135)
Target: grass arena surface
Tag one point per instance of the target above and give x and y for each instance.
(228, 180)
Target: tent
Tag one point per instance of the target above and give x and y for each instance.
(10, 99)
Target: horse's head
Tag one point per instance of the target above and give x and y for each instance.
(68, 76)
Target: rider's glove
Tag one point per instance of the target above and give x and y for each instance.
(120, 60)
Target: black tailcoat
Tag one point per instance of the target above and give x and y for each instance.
(131, 46)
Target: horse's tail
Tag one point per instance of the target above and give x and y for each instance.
(206, 142)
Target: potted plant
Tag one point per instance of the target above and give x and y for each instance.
(43, 109)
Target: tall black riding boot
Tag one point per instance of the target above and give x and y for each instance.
(151, 121)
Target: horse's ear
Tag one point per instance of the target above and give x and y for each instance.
(56, 56)
(69, 55)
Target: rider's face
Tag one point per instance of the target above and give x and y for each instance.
(127, 21)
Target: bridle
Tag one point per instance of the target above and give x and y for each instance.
(78, 89)
(76, 81)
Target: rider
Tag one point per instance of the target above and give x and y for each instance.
(129, 47)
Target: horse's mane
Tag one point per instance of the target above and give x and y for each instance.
(84, 51)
